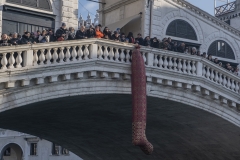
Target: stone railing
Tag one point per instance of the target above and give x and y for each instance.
(58, 53)
(27, 57)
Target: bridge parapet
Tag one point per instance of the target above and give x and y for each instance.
(176, 70)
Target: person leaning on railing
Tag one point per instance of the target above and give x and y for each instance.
(107, 34)
(27, 39)
(43, 38)
(61, 33)
(15, 40)
(81, 33)
(71, 34)
(5, 41)
(91, 32)
(98, 33)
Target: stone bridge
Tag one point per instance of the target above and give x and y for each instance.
(77, 94)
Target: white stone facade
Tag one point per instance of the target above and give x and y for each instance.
(20, 145)
(65, 10)
(207, 27)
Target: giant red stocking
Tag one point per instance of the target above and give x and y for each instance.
(139, 103)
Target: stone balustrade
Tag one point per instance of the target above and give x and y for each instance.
(181, 71)
(57, 53)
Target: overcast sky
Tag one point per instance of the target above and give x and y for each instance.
(206, 5)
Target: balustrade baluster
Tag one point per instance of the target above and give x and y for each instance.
(189, 67)
(48, 56)
(165, 63)
(208, 73)
(19, 59)
(233, 85)
(220, 78)
(116, 55)
(170, 64)
(155, 62)
(35, 58)
(180, 65)
(224, 81)
(161, 62)
(80, 52)
(194, 68)
(67, 55)
(11, 61)
(61, 55)
(204, 71)
(144, 57)
(42, 57)
(184, 66)
(111, 54)
(128, 56)
(86, 52)
(74, 53)
(122, 55)
(216, 77)
(105, 53)
(55, 55)
(4, 61)
(229, 83)
(212, 74)
(237, 87)
(175, 64)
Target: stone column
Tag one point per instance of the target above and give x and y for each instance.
(237, 5)
(1, 11)
(70, 13)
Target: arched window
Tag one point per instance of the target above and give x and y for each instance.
(221, 49)
(39, 4)
(182, 29)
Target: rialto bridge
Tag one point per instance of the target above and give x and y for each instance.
(78, 94)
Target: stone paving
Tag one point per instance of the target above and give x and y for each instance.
(98, 127)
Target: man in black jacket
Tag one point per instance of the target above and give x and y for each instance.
(181, 48)
(15, 40)
(26, 39)
(81, 33)
(116, 36)
(139, 39)
(52, 37)
(91, 32)
(61, 33)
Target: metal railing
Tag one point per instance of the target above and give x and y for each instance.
(227, 8)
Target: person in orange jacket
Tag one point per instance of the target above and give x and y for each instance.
(98, 33)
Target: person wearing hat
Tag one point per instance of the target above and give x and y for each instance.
(26, 38)
(116, 36)
(61, 32)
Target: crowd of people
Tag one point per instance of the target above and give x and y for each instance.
(63, 34)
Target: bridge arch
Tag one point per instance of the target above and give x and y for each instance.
(193, 95)
(219, 36)
(176, 15)
(180, 26)
(15, 149)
